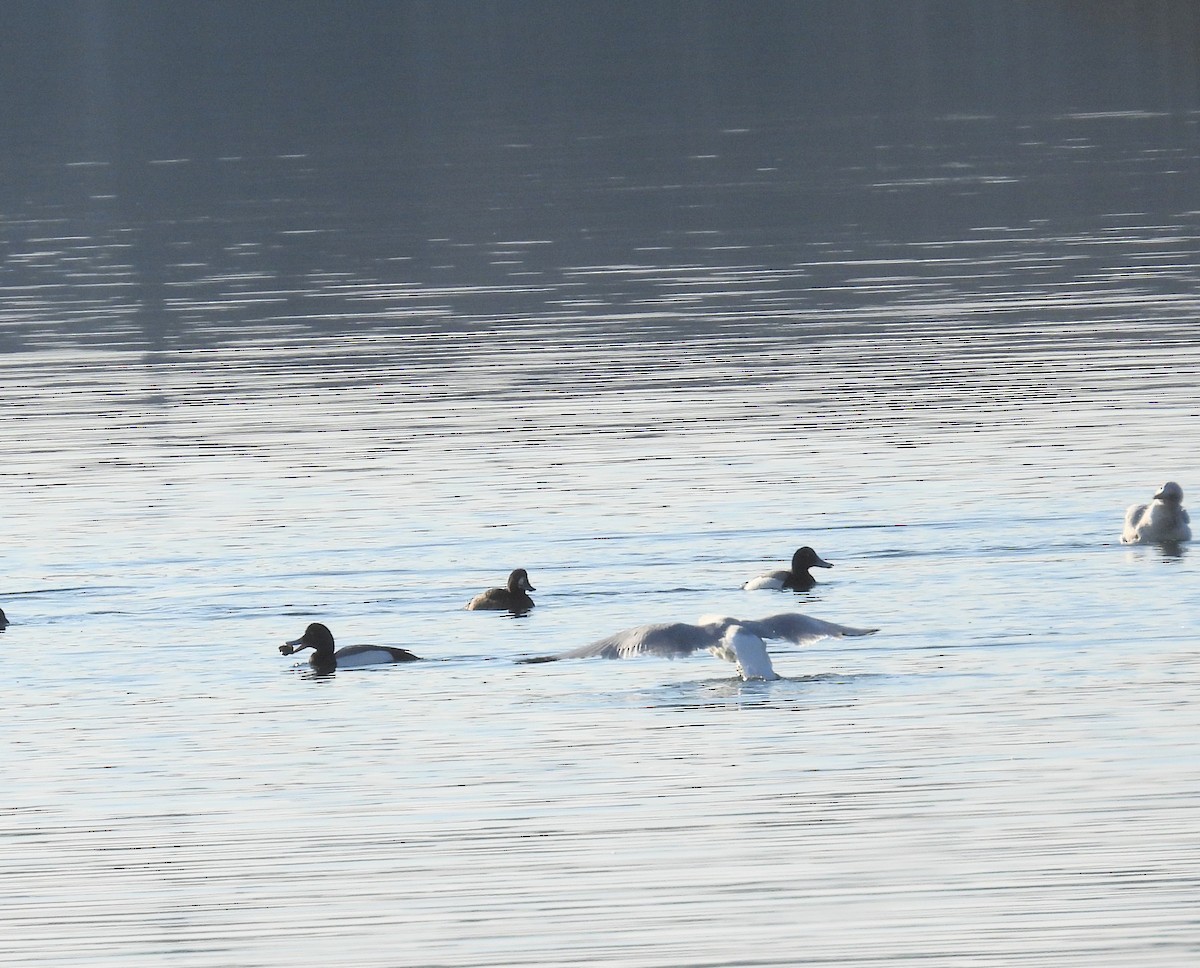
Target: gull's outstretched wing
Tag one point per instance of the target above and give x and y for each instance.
(798, 628)
(670, 639)
(674, 640)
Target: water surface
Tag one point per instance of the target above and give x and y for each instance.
(358, 388)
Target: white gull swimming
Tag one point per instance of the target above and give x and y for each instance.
(1163, 520)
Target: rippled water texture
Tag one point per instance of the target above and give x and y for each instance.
(359, 389)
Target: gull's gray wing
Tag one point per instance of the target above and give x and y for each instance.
(1133, 517)
(798, 628)
(670, 639)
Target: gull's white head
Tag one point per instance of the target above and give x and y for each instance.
(1171, 493)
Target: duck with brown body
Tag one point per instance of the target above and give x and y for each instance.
(511, 598)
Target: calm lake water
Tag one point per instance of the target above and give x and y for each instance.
(242, 393)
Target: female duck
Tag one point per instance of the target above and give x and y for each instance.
(1163, 520)
(512, 598)
(798, 579)
(318, 638)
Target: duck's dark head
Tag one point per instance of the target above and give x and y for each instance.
(518, 582)
(316, 637)
(805, 558)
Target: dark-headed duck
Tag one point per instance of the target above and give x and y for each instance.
(798, 579)
(324, 659)
(509, 599)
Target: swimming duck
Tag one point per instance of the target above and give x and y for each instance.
(740, 641)
(511, 598)
(798, 579)
(1163, 520)
(3, 620)
(318, 638)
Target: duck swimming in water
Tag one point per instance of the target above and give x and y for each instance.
(318, 638)
(797, 579)
(740, 641)
(1162, 521)
(509, 599)
(3, 620)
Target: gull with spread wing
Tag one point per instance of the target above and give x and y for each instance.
(740, 641)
